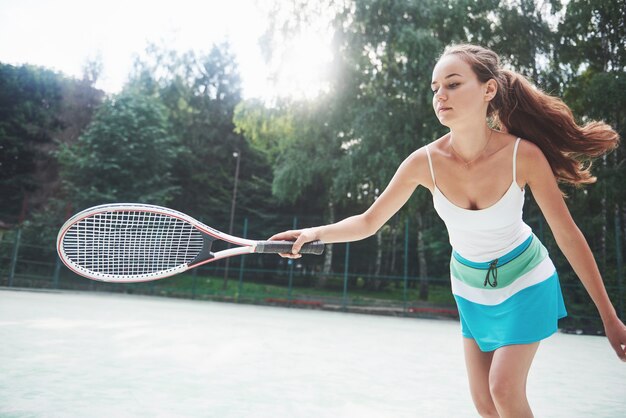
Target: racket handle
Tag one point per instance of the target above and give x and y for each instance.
(275, 247)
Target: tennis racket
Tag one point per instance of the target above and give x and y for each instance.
(129, 242)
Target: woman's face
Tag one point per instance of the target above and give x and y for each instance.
(458, 95)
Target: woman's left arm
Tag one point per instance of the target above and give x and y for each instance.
(535, 170)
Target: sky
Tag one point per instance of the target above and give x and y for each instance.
(64, 34)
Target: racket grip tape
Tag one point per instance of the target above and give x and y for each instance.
(275, 247)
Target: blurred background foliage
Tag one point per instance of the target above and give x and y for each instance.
(170, 136)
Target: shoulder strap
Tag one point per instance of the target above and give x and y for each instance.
(430, 164)
(515, 160)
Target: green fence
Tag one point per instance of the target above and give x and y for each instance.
(291, 284)
(26, 265)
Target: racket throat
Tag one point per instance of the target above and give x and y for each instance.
(205, 254)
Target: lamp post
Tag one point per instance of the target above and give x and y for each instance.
(237, 155)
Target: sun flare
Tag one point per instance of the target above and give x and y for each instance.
(304, 68)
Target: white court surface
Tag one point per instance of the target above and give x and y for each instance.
(65, 354)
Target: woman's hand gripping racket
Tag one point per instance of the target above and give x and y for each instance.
(128, 242)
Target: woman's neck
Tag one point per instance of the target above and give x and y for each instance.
(468, 143)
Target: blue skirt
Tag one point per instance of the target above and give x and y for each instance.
(515, 299)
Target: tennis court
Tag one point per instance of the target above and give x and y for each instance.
(73, 354)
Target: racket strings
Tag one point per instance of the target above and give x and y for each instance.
(131, 243)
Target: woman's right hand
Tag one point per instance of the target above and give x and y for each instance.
(299, 237)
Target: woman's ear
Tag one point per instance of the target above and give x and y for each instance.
(491, 88)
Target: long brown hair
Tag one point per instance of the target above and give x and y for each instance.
(527, 112)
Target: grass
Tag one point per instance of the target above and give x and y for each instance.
(211, 286)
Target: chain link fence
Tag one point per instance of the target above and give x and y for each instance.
(292, 283)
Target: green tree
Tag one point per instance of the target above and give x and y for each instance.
(591, 57)
(126, 154)
(302, 149)
(593, 35)
(379, 100)
(200, 92)
(389, 49)
(30, 99)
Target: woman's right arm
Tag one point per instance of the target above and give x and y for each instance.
(409, 175)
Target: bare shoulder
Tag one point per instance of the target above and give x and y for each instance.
(532, 163)
(437, 145)
(417, 163)
(538, 175)
(416, 166)
(529, 150)
(530, 155)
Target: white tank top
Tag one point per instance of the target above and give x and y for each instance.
(485, 234)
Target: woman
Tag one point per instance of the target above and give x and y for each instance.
(504, 283)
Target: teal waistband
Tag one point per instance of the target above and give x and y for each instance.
(500, 260)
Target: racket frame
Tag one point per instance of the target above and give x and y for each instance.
(246, 246)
